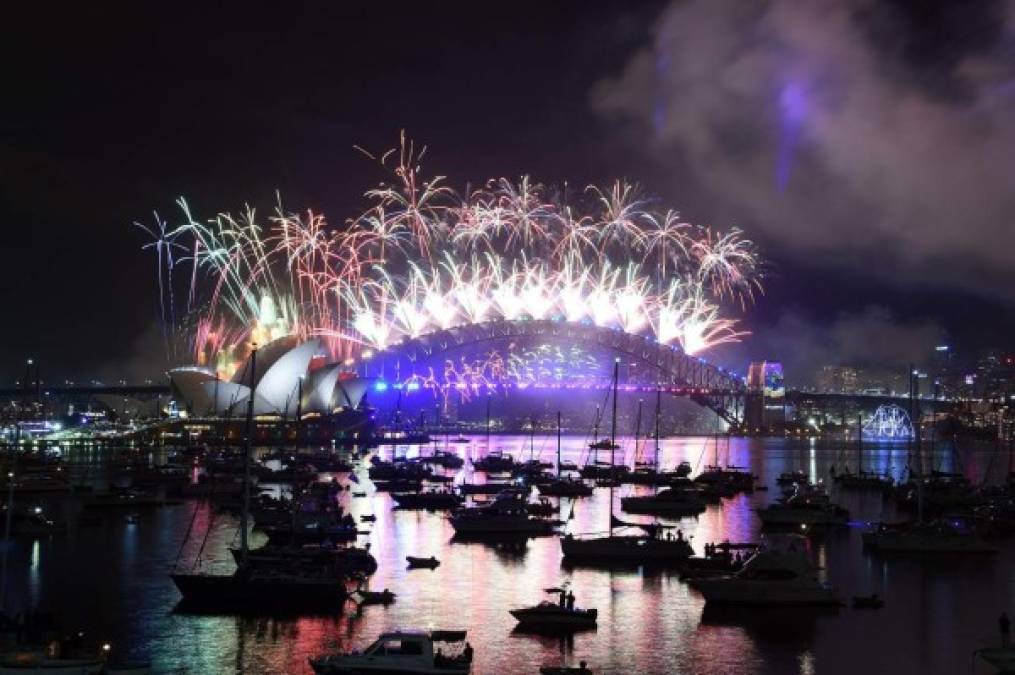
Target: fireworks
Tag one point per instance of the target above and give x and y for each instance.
(422, 258)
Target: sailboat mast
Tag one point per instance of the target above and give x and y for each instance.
(558, 445)
(658, 407)
(637, 429)
(613, 436)
(487, 423)
(245, 514)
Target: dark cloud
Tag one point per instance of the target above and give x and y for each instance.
(871, 134)
(873, 338)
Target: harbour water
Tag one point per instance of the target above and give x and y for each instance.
(111, 580)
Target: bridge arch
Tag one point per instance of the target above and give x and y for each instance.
(678, 373)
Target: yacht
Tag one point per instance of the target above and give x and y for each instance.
(559, 615)
(933, 537)
(434, 500)
(779, 574)
(647, 549)
(444, 459)
(564, 487)
(495, 462)
(807, 509)
(410, 652)
(667, 502)
(506, 515)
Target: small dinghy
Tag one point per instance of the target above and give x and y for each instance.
(867, 602)
(362, 597)
(427, 563)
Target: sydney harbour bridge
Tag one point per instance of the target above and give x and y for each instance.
(493, 354)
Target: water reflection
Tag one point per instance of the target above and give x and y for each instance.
(649, 620)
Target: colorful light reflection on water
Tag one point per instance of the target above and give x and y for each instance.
(112, 579)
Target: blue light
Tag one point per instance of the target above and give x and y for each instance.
(380, 385)
(412, 386)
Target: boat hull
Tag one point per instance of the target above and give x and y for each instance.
(237, 592)
(630, 550)
(732, 591)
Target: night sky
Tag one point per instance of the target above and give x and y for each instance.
(867, 148)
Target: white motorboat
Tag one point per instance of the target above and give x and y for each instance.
(410, 652)
(932, 538)
(781, 573)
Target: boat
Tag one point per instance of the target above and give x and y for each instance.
(683, 469)
(604, 444)
(867, 602)
(495, 462)
(666, 502)
(792, 477)
(344, 561)
(484, 488)
(428, 563)
(779, 573)
(444, 459)
(363, 597)
(253, 587)
(409, 652)
(564, 487)
(459, 439)
(431, 501)
(508, 514)
(556, 615)
(810, 508)
(559, 486)
(935, 537)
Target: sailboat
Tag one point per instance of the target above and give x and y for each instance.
(680, 499)
(862, 480)
(647, 548)
(255, 586)
(559, 486)
(922, 537)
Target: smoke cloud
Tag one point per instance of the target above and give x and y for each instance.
(836, 128)
(874, 339)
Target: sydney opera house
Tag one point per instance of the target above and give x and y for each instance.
(291, 378)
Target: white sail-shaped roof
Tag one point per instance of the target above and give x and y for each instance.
(277, 388)
(267, 356)
(350, 392)
(227, 398)
(319, 390)
(187, 383)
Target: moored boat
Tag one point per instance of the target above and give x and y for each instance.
(410, 652)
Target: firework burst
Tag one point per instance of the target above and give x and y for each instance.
(422, 258)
